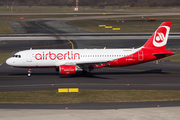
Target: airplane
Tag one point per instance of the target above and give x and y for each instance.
(69, 61)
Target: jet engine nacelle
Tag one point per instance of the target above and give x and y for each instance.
(67, 69)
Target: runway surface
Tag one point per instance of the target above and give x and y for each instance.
(149, 76)
(92, 106)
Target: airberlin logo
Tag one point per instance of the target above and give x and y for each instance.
(69, 55)
(161, 36)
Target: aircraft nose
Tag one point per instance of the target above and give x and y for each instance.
(9, 61)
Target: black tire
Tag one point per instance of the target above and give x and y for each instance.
(85, 73)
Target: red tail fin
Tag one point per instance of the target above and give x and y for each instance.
(159, 39)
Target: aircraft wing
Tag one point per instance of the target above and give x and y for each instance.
(95, 63)
(87, 63)
(84, 63)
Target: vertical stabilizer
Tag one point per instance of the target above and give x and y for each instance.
(159, 39)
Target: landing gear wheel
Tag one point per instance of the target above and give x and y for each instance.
(85, 73)
(29, 75)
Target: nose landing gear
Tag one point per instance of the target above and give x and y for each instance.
(29, 72)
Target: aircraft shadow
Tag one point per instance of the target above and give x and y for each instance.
(99, 74)
(95, 74)
(154, 71)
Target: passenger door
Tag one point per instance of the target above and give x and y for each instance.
(140, 55)
(29, 56)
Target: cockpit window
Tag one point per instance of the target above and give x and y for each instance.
(17, 56)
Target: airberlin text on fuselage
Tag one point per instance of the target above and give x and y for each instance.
(69, 55)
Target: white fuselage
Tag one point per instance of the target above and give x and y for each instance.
(56, 57)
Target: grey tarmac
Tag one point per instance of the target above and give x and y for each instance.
(158, 113)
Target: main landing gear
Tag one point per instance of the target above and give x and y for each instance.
(29, 72)
(86, 73)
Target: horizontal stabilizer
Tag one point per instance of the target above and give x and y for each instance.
(163, 54)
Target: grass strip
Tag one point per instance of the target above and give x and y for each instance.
(173, 58)
(126, 25)
(88, 96)
(5, 28)
(4, 57)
